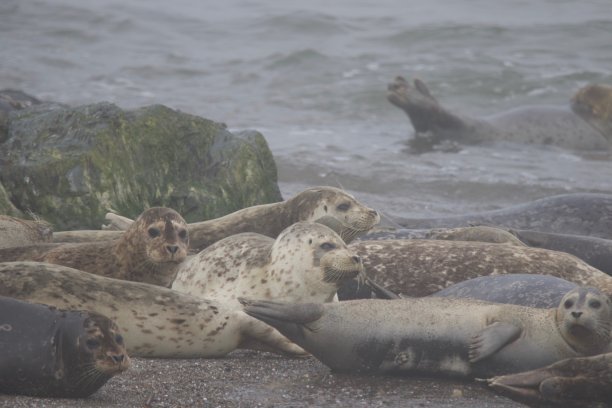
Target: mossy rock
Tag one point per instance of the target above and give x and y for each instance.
(72, 165)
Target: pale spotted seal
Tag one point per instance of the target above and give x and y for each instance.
(587, 126)
(461, 337)
(422, 267)
(479, 233)
(149, 251)
(572, 382)
(16, 232)
(47, 352)
(306, 263)
(326, 205)
(154, 321)
(577, 213)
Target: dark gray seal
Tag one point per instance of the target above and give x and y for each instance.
(460, 337)
(586, 126)
(46, 352)
(579, 213)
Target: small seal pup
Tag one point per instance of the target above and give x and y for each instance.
(329, 206)
(154, 321)
(306, 263)
(460, 337)
(46, 352)
(587, 126)
(149, 251)
(572, 382)
(578, 213)
(421, 267)
(16, 232)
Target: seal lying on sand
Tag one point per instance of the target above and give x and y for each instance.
(587, 126)
(458, 337)
(306, 263)
(16, 232)
(479, 233)
(422, 267)
(154, 321)
(149, 251)
(578, 213)
(46, 352)
(326, 205)
(571, 382)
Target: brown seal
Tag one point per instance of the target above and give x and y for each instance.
(16, 232)
(149, 251)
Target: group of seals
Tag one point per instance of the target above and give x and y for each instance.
(48, 352)
(149, 251)
(587, 126)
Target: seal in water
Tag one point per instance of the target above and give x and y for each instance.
(586, 126)
(16, 232)
(154, 321)
(306, 263)
(579, 213)
(460, 337)
(46, 352)
(149, 251)
(326, 205)
(422, 267)
(572, 382)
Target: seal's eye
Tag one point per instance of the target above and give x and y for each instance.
(595, 304)
(182, 234)
(343, 207)
(119, 339)
(92, 344)
(325, 208)
(154, 232)
(327, 246)
(568, 303)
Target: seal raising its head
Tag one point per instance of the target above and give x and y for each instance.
(149, 251)
(56, 353)
(594, 104)
(306, 263)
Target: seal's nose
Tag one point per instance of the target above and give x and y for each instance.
(356, 259)
(118, 358)
(576, 314)
(172, 248)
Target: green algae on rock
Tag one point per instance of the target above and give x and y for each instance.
(72, 165)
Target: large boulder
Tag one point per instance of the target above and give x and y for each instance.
(72, 165)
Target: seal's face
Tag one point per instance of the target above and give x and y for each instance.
(339, 211)
(164, 234)
(594, 104)
(102, 343)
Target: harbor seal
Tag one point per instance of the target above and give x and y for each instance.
(586, 126)
(459, 337)
(578, 213)
(16, 232)
(149, 251)
(46, 352)
(595, 251)
(479, 233)
(306, 263)
(329, 206)
(572, 382)
(154, 321)
(422, 267)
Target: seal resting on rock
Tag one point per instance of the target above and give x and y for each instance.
(46, 352)
(16, 232)
(149, 251)
(154, 321)
(306, 263)
(572, 382)
(460, 337)
(586, 126)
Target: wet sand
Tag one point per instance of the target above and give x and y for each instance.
(252, 379)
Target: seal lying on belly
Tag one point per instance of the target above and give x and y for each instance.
(458, 337)
(46, 352)
(306, 263)
(149, 251)
(579, 213)
(326, 205)
(16, 232)
(154, 321)
(586, 126)
(572, 382)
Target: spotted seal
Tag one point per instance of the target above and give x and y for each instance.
(460, 337)
(586, 126)
(329, 206)
(149, 251)
(154, 321)
(572, 382)
(422, 267)
(16, 232)
(306, 263)
(577, 213)
(479, 233)
(47, 352)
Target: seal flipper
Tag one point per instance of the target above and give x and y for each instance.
(523, 385)
(492, 339)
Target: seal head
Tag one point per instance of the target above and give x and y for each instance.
(593, 103)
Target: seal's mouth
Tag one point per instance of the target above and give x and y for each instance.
(579, 330)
